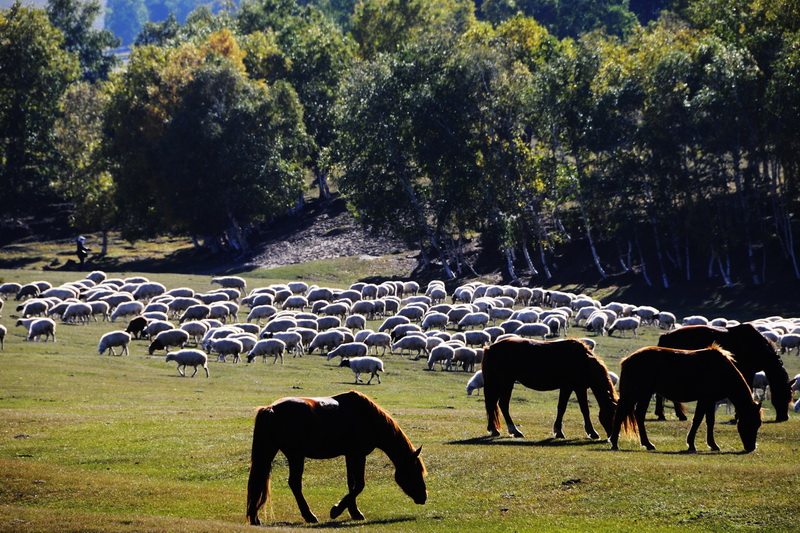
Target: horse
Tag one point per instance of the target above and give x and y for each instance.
(706, 375)
(348, 424)
(567, 364)
(751, 352)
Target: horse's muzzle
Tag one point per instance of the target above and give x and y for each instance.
(420, 500)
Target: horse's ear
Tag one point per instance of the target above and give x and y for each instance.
(417, 451)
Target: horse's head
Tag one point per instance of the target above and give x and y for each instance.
(749, 422)
(410, 476)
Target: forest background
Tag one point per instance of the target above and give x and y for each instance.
(660, 136)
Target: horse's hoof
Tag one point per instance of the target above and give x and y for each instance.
(594, 436)
(714, 448)
(494, 433)
(650, 447)
(560, 435)
(357, 515)
(518, 435)
(311, 519)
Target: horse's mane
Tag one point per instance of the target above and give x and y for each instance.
(384, 418)
(598, 366)
(728, 355)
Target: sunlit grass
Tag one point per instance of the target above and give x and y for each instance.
(101, 443)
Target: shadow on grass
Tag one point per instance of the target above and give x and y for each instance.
(510, 441)
(339, 524)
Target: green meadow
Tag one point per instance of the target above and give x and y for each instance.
(113, 444)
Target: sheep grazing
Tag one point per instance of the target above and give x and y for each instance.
(789, 342)
(466, 357)
(360, 365)
(350, 349)
(327, 340)
(225, 347)
(267, 347)
(293, 340)
(442, 354)
(411, 343)
(9, 289)
(624, 324)
(378, 340)
(475, 382)
(189, 357)
(127, 309)
(42, 327)
(112, 339)
(231, 282)
(167, 339)
(136, 326)
(3, 332)
(77, 312)
(473, 320)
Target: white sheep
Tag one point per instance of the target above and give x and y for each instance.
(42, 327)
(442, 354)
(597, 323)
(666, 320)
(100, 308)
(356, 322)
(535, 329)
(760, 383)
(189, 357)
(411, 343)
(231, 282)
(473, 320)
(126, 309)
(293, 340)
(225, 347)
(695, 320)
(349, 349)
(112, 339)
(327, 340)
(77, 312)
(467, 357)
(788, 342)
(267, 347)
(475, 382)
(168, 338)
(477, 338)
(624, 324)
(154, 327)
(9, 289)
(434, 320)
(359, 365)
(378, 340)
(295, 302)
(196, 329)
(149, 290)
(392, 322)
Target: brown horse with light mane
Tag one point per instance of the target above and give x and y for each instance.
(707, 376)
(348, 424)
(568, 365)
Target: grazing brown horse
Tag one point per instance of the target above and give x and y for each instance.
(751, 352)
(707, 375)
(348, 424)
(568, 365)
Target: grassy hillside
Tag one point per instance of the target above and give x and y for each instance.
(101, 443)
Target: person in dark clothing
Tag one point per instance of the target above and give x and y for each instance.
(82, 250)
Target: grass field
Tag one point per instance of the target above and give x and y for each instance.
(101, 443)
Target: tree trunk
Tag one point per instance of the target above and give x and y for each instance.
(322, 184)
(510, 263)
(542, 256)
(641, 260)
(104, 245)
(528, 260)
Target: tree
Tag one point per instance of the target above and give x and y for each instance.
(75, 20)
(35, 71)
(125, 18)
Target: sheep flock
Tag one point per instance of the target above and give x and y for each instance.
(230, 325)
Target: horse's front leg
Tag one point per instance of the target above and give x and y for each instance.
(710, 415)
(504, 400)
(563, 398)
(583, 402)
(296, 467)
(356, 466)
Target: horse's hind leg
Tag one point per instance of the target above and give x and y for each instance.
(583, 402)
(641, 412)
(356, 466)
(296, 467)
(710, 426)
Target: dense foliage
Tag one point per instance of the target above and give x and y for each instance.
(661, 135)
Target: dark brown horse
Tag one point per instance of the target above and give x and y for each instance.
(348, 424)
(751, 352)
(568, 365)
(707, 375)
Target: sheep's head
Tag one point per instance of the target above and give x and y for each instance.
(345, 362)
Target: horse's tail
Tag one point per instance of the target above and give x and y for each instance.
(629, 426)
(258, 490)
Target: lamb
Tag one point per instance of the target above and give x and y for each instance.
(267, 347)
(624, 324)
(350, 349)
(42, 327)
(475, 382)
(3, 332)
(442, 354)
(168, 338)
(189, 357)
(359, 365)
(127, 309)
(231, 282)
(136, 326)
(227, 346)
(112, 339)
(410, 343)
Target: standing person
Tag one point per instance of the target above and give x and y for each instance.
(82, 251)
